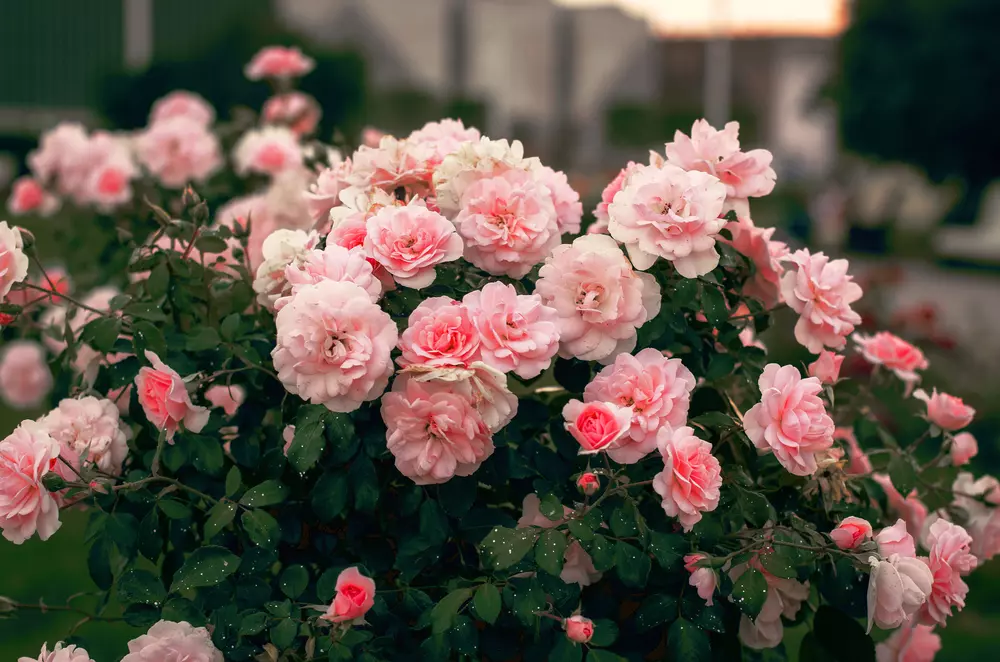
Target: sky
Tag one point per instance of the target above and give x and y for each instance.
(697, 17)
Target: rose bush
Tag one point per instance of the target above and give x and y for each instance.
(391, 407)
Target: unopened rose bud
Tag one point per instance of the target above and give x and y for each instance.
(190, 197)
(53, 482)
(579, 629)
(588, 483)
(27, 238)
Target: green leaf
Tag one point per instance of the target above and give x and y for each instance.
(602, 553)
(902, 473)
(842, 636)
(294, 580)
(283, 634)
(102, 333)
(750, 592)
(233, 481)
(219, 517)
(564, 650)
(623, 521)
(230, 326)
(580, 530)
(210, 244)
(433, 522)
(631, 564)
(719, 366)
(605, 632)
(203, 338)
(714, 305)
(141, 587)
(261, 528)
(598, 655)
(779, 564)
(810, 649)
(146, 311)
(572, 374)
(150, 539)
(329, 495)
(487, 603)
(268, 493)
(756, 509)
(656, 610)
(668, 549)
(364, 483)
(207, 566)
(309, 440)
(444, 612)
(551, 507)
(550, 551)
(158, 281)
(687, 642)
(504, 547)
(326, 585)
(253, 623)
(174, 509)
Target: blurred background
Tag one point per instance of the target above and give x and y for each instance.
(883, 117)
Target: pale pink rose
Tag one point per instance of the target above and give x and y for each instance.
(26, 506)
(658, 391)
(704, 580)
(670, 213)
(826, 368)
(25, 378)
(569, 209)
(355, 596)
(578, 629)
(599, 299)
(745, 174)
(332, 263)
(483, 386)
(296, 110)
(54, 279)
(596, 426)
(287, 437)
(443, 137)
(28, 197)
(896, 540)
(333, 345)
(790, 420)
(268, 150)
(578, 566)
(517, 332)
(410, 241)
(59, 654)
(784, 599)
(178, 151)
(89, 425)
(911, 509)
(433, 432)
(472, 161)
(821, 292)
(608, 196)
(282, 249)
(13, 261)
(982, 519)
(948, 412)
(371, 137)
(508, 222)
(324, 194)
(228, 397)
(910, 643)
(950, 559)
(691, 477)
(894, 353)
(851, 532)
(167, 641)
(963, 448)
(61, 157)
(108, 181)
(392, 164)
(766, 254)
(897, 588)
(439, 333)
(278, 62)
(588, 483)
(165, 400)
(181, 103)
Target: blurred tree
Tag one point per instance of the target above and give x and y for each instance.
(920, 83)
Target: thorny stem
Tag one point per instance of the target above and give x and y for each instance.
(42, 607)
(194, 238)
(78, 304)
(155, 467)
(164, 479)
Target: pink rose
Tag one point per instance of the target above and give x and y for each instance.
(281, 249)
(608, 196)
(269, 150)
(531, 514)
(911, 509)
(59, 654)
(59, 157)
(472, 161)
(371, 137)
(287, 437)
(517, 332)
(588, 483)
(227, 396)
(702, 579)
(691, 476)
(165, 400)
(656, 389)
(13, 261)
(766, 254)
(821, 292)
(439, 333)
(181, 103)
(92, 426)
(851, 532)
(410, 241)
(910, 643)
(670, 213)
(296, 110)
(333, 346)
(963, 448)
(483, 386)
(596, 425)
(895, 540)
(324, 194)
(278, 62)
(392, 163)
(26, 506)
(578, 629)
(332, 263)
(950, 559)
(745, 174)
(25, 378)
(948, 412)
(433, 432)
(107, 184)
(784, 599)
(178, 151)
(508, 223)
(826, 368)
(790, 420)
(355, 596)
(897, 588)
(443, 137)
(982, 520)
(167, 640)
(894, 353)
(28, 197)
(569, 209)
(599, 299)
(578, 566)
